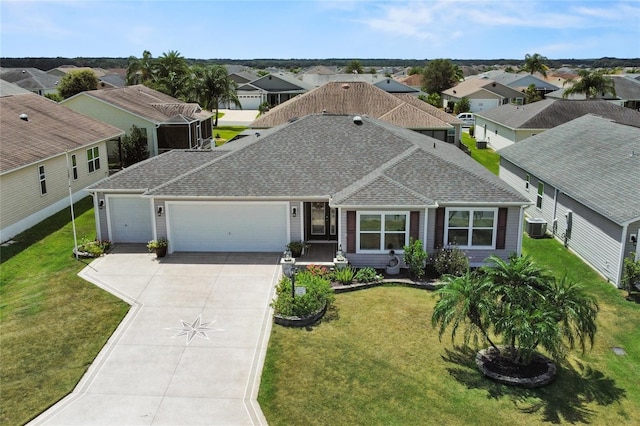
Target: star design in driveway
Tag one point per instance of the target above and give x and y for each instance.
(194, 328)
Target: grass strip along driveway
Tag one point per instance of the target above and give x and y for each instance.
(375, 359)
(52, 323)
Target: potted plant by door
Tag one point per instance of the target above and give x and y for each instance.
(296, 248)
(158, 246)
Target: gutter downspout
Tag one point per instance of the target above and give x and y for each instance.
(520, 227)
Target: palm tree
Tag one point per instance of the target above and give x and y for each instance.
(535, 63)
(140, 71)
(523, 306)
(591, 84)
(172, 74)
(464, 301)
(213, 88)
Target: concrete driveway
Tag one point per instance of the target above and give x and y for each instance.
(191, 349)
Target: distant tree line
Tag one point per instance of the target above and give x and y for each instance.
(46, 64)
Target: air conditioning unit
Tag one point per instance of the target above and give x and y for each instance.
(536, 227)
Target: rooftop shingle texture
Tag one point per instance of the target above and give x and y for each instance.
(148, 103)
(354, 98)
(471, 86)
(51, 129)
(158, 170)
(589, 159)
(550, 113)
(323, 155)
(29, 78)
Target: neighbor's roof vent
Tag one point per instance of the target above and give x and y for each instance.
(24, 117)
(357, 120)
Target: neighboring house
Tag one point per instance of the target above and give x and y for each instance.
(109, 81)
(627, 92)
(242, 77)
(7, 89)
(356, 182)
(519, 81)
(274, 89)
(387, 84)
(169, 123)
(483, 94)
(508, 124)
(44, 148)
(584, 178)
(360, 98)
(413, 80)
(31, 79)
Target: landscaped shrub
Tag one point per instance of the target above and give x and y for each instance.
(415, 257)
(318, 294)
(344, 275)
(93, 248)
(318, 270)
(366, 275)
(451, 261)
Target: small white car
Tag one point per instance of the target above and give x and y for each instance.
(468, 119)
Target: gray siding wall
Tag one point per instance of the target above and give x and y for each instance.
(596, 239)
(160, 230)
(295, 223)
(476, 257)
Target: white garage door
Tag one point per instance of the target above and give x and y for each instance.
(258, 227)
(130, 219)
(476, 105)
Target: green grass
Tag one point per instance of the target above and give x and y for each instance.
(53, 323)
(486, 157)
(375, 359)
(227, 132)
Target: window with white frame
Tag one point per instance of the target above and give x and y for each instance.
(93, 159)
(74, 167)
(471, 228)
(382, 231)
(43, 180)
(540, 195)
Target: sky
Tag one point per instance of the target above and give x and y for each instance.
(319, 29)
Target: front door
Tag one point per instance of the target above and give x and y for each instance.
(321, 221)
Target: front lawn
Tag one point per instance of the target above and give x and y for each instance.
(223, 134)
(375, 359)
(53, 323)
(487, 157)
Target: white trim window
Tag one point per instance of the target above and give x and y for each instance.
(540, 196)
(471, 228)
(378, 232)
(43, 180)
(74, 167)
(93, 159)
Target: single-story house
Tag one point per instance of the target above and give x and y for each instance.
(46, 150)
(388, 84)
(352, 181)
(169, 123)
(273, 88)
(627, 92)
(519, 81)
(31, 79)
(509, 124)
(359, 98)
(584, 178)
(483, 94)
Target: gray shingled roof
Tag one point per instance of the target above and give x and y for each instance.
(322, 156)
(157, 170)
(550, 113)
(29, 78)
(51, 129)
(589, 159)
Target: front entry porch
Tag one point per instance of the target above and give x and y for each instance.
(318, 253)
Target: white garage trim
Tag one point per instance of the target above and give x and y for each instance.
(130, 218)
(227, 226)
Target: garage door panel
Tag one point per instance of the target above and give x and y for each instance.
(228, 227)
(130, 219)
